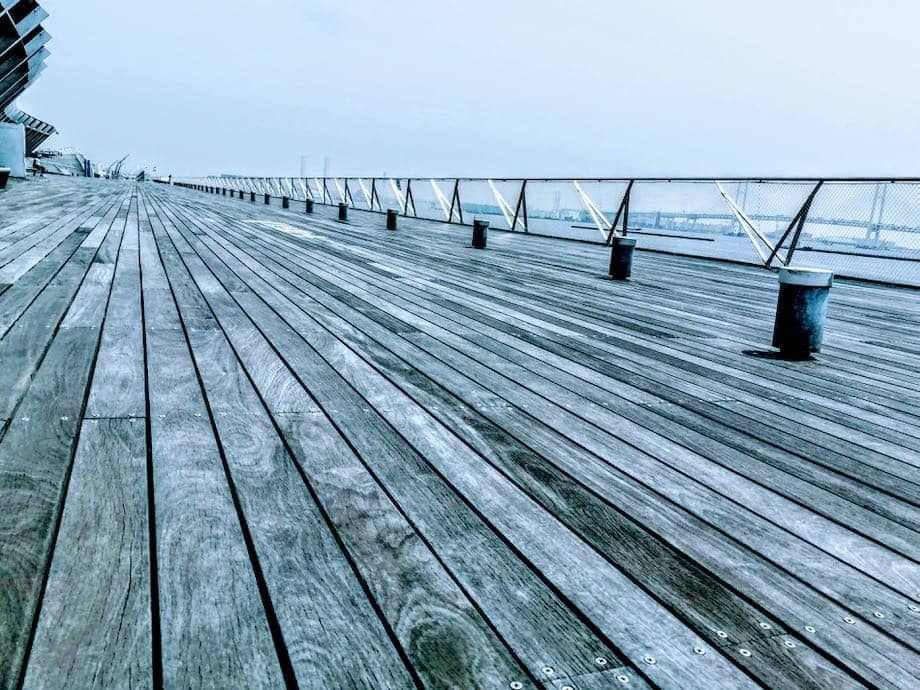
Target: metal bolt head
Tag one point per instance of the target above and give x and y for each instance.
(849, 620)
(810, 628)
(765, 625)
(548, 670)
(789, 643)
(878, 614)
(744, 652)
(650, 660)
(516, 685)
(914, 608)
(699, 650)
(568, 687)
(600, 661)
(722, 634)
(624, 679)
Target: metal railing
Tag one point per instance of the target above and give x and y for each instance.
(858, 227)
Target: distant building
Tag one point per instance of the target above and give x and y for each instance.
(22, 59)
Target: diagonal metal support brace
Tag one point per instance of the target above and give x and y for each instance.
(622, 211)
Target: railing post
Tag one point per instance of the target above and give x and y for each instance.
(622, 211)
(455, 203)
(521, 203)
(798, 222)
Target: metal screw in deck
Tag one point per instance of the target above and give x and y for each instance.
(391, 218)
(800, 310)
(343, 211)
(480, 233)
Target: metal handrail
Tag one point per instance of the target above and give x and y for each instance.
(448, 199)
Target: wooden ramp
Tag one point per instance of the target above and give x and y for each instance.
(245, 447)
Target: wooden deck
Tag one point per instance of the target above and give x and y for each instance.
(246, 447)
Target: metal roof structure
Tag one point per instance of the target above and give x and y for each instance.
(22, 59)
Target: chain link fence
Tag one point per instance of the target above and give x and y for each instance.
(861, 228)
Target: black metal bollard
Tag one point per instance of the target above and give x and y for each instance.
(309, 206)
(4, 176)
(343, 211)
(252, 196)
(223, 191)
(621, 254)
(267, 199)
(285, 202)
(800, 310)
(480, 233)
(392, 215)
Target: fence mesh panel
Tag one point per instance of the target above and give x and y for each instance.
(863, 229)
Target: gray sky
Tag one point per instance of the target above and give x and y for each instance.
(485, 87)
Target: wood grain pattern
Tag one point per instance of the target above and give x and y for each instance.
(213, 625)
(95, 629)
(245, 447)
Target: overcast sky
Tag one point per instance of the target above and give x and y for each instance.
(485, 87)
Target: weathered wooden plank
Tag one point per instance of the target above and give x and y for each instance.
(331, 632)
(24, 345)
(14, 301)
(94, 630)
(512, 363)
(840, 543)
(35, 460)
(439, 630)
(417, 497)
(459, 332)
(214, 630)
(509, 287)
(118, 384)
